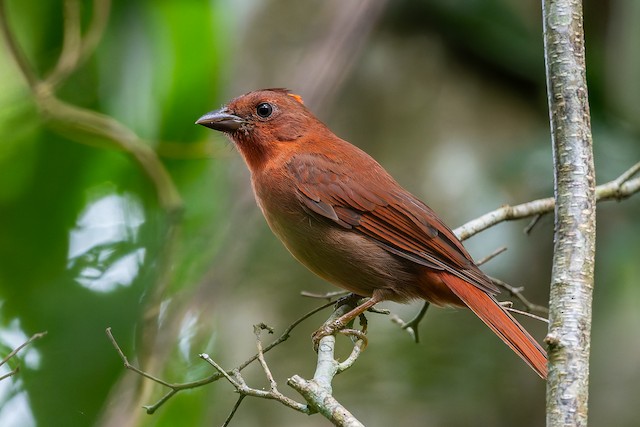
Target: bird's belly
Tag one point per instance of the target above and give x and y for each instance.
(344, 257)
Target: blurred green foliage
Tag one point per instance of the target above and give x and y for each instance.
(448, 95)
(83, 235)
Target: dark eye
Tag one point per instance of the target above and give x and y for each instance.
(264, 110)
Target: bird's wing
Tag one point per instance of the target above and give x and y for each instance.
(374, 205)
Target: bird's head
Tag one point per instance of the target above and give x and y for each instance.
(263, 122)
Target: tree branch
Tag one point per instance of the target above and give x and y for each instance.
(620, 188)
(572, 276)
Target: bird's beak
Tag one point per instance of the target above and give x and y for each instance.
(220, 120)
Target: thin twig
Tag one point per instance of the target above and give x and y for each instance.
(532, 223)
(131, 367)
(272, 382)
(491, 256)
(233, 410)
(234, 382)
(10, 373)
(15, 351)
(527, 314)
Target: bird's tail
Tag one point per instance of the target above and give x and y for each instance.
(500, 322)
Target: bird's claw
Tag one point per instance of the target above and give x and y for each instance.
(338, 327)
(323, 331)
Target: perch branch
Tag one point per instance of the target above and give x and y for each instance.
(318, 391)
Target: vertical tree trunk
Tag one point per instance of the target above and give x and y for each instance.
(574, 248)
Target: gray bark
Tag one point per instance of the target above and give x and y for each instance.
(574, 243)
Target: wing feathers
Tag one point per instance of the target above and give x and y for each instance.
(386, 213)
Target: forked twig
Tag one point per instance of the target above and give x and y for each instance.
(412, 325)
(241, 386)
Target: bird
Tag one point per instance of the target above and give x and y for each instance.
(344, 217)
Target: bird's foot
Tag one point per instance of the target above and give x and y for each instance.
(337, 327)
(324, 331)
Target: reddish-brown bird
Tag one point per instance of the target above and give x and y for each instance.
(344, 217)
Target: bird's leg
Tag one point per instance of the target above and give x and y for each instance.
(349, 299)
(342, 321)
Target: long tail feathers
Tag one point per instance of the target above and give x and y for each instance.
(500, 322)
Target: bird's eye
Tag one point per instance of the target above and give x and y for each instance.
(264, 110)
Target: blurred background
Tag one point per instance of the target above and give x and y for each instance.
(117, 211)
